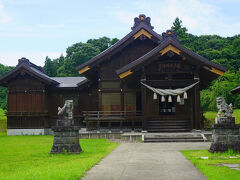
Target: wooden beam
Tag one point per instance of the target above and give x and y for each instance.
(142, 32)
(125, 74)
(216, 71)
(170, 48)
(83, 70)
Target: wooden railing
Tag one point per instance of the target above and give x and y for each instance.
(110, 115)
(23, 113)
(99, 117)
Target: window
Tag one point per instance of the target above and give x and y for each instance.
(130, 101)
(111, 101)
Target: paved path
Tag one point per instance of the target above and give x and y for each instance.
(147, 161)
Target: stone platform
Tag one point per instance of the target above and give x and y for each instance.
(225, 136)
(66, 139)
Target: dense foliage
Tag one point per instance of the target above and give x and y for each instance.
(221, 50)
(3, 91)
(75, 55)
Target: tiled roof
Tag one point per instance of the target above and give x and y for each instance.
(69, 82)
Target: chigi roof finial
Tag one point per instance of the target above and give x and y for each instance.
(142, 19)
(23, 60)
(170, 33)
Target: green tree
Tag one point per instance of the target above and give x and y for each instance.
(76, 55)
(185, 38)
(3, 90)
(81, 52)
(49, 67)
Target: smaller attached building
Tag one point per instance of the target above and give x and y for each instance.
(33, 98)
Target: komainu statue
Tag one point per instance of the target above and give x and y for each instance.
(66, 110)
(225, 134)
(66, 133)
(224, 110)
(65, 115)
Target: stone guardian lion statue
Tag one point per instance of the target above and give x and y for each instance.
(224, 110)
(66, 111)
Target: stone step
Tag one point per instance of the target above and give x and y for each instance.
(197, 136)
(170, 121)
(173, 137)
(160, 123)
(169, 127)
(168, 130)
(172, 140)
(156, 125)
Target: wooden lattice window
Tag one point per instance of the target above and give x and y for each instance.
(111, 101)
(130, 101)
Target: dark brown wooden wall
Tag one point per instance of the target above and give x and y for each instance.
(26, 102)
(128, 54)
(26, 94)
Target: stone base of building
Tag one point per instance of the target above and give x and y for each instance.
(66, 139)
(19, 132)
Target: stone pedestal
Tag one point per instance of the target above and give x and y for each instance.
(225, 135)
(66, 138)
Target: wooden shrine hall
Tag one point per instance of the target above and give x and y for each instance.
(145, 81)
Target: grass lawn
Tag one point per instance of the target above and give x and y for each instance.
(208, 166)
(3, 123)
(27, 157)
(210, 115)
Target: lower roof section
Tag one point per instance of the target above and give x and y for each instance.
(236, 90)
(70, 82)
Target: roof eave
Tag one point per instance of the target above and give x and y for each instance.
(235, 90)
(47, 80)
(117, 44)
(162, 45)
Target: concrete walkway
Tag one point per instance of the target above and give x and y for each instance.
(147, 161)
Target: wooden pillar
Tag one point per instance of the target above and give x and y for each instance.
(144, 102)
(99, 100)
(197, 101)
(99, 95)
(122, 96)
(8, 107)
(197, 106)
(192, 110)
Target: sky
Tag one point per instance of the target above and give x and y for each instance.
(38, 28)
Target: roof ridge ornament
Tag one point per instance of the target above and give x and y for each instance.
(27, 62)
(23, 60)
(142, 19)
(170, 34)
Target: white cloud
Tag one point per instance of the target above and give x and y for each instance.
(36, 57)
(4, 18)
(199, 17)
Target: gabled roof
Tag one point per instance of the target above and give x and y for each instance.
(141, 26)
(236, 90)
(31, 68)
(169, 43)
